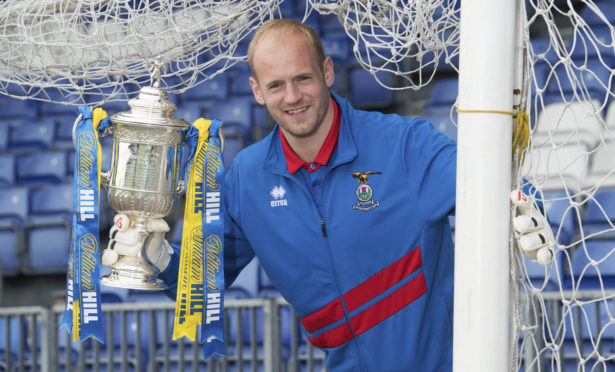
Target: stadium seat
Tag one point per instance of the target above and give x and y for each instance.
(12, 108)
(262, 121)
(558, 168)
(588, 326)
(189, 111)
(595, 268)
(442, 97)
(266, 289)
(602, 166)
(442, 121)
(48, 229)
(599, 216)
(593, 18)
(558, 122)
(366, 92)
(7, 170)
(4, 136)
(337, 46)
(247, 280)
(590, 80)
(42, 167)
(13, 213)
(63, 138)
(240, 83)
(562, 216)
(235, 139)
(236, 111)
(215, 88)
(32, 134)
(583, 48)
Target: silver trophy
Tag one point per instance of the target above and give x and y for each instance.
(144, 179)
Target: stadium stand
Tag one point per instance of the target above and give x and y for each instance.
(32, 135)
(36, 162)
(7, 170)
(13, 213)
(48, 229)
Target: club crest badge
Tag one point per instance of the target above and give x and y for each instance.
(365, 194)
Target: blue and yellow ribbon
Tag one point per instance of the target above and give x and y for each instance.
(82, 316)
(200, 288)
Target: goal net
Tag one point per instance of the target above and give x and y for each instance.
(567, 312)
(87, 51)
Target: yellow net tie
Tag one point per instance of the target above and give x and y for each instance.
(521, 130)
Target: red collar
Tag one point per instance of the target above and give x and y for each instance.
(294, 162)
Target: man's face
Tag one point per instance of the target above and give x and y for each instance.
(290, 82)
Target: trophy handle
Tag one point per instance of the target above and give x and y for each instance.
(105, 132)
(181, 188)
(77, 121)
(105, 177)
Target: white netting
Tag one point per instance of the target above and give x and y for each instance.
(93, 51)
(76, 51)
(568, 315)
(80, 51)
(408, 39)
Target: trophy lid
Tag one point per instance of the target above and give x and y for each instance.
(151, 107)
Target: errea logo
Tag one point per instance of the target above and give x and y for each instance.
(278, 193)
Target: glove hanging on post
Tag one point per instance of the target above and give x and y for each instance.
(126, 241)
(532, 230)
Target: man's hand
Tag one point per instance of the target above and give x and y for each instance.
(127, 241)
(532, 229)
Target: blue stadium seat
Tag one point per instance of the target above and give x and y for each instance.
(596, 266)
(61, 103)
(32, 134)
(214, 88)
(330, 25)
(4, 136)
(600, 215)
(591, 82)
(442, 96)
(590, 325)
(442, 121)
(237, 110)
(63, 138)
(584, 48)
(13, 108)
(606, 7)
(337, 46)
(562, 216)
(13, 213)
(266, 288)
(240, 83)
(366, 92)
(236, 137)
(48, 229)
(189, 111)
(247, 280)
(7, 170)
(16, 328)
(42, 167)
(262, 121)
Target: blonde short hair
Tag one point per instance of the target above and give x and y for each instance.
(290, 25)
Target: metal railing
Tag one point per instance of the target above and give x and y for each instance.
(260, 335)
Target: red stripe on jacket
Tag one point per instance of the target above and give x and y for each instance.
(363, 293)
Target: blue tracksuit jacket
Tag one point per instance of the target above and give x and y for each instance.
(361, 248)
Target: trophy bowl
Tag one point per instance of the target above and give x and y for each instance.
(143, 179)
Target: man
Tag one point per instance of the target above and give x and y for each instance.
(347, 212)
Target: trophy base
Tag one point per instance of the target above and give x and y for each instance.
(133, 277)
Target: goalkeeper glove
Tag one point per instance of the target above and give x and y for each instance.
(532, 230)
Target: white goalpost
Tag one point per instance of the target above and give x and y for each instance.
(551, 59)
(484, 140)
